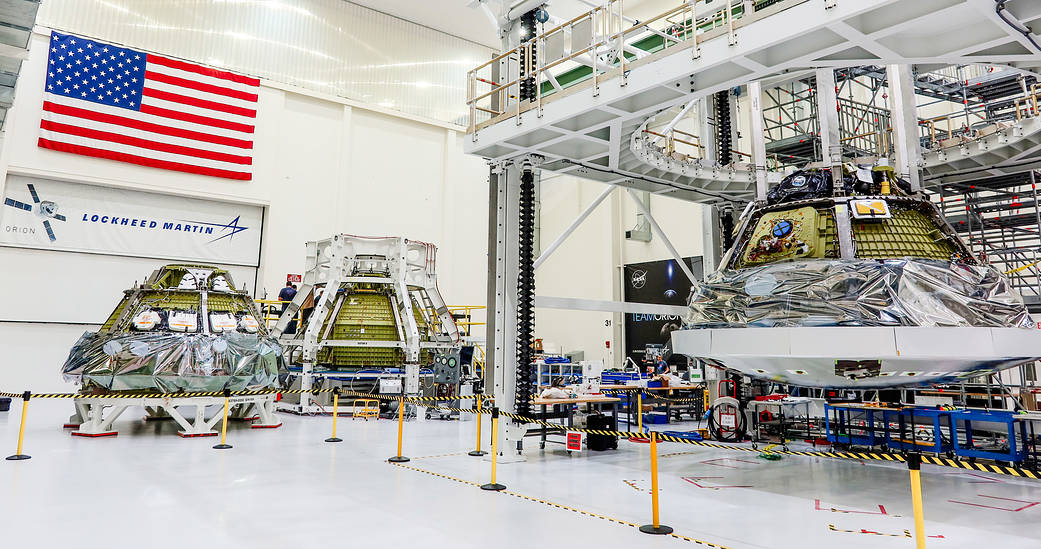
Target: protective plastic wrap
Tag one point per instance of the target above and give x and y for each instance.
(894, 292)
(171, 363)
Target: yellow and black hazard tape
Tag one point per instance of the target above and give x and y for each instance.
(906, 534)
(849, 455)
(440, 455)
(674, 400)
(258, 392)
(556, 505)
(430, 402)
(650, 395)
(413, 400)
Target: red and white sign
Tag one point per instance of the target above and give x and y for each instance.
(294, 278)
(574, 442)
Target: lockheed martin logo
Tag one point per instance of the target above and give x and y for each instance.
(46, 209)
(229, 229)
(639, 279)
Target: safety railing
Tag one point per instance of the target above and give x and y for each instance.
(1026, 106)
(601, 43)
(690, 143)
(975, 122)
(271, 310)
(951, 125)
(960, 73)
(864, 129)
(464, 317)
(687, 146)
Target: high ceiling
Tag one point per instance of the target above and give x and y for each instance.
(16, 22)
(455, 17)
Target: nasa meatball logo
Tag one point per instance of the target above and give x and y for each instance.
(639, 279)
(799, 181)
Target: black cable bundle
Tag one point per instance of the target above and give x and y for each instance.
(727, 232)
(526, 294)
(527, 64)
(723, 128)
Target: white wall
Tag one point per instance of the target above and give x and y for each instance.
(326, 46)
(320, 167)
(588, 263)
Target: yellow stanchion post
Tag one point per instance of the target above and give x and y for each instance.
(336, 414)
(18, 455)
(224, 425)
(493, 485)
(655, 527)
(914, 464)
(478, 451)
(401, 426)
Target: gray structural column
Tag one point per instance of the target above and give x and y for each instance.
(904, 110)
(755, 95)
(503, 268)
(711, 248)
(828, 118)
(706, 132)
(831, 150)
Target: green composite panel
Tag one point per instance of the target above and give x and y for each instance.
(367, 314)
(225, 303)
(799, 233)
(112, 318)
(909, 233)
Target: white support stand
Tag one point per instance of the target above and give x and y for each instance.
(95, 415)
(504, 256)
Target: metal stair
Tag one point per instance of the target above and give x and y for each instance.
(587, 127)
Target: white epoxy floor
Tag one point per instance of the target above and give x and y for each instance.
(286, 487)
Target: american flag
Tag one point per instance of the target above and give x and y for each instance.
(112, 102)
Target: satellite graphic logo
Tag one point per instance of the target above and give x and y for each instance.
(639, 279)
(46, 209)
(230, 229)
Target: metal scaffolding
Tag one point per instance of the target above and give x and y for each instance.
(999, 217)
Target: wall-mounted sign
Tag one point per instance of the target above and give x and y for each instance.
(55, 215)
(660, 283)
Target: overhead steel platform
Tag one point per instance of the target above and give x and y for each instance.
(586, 125)
(1002, 149)
(17, 18)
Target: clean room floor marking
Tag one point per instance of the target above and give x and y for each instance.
(881, 510)
(1028, 505)
(696, 481)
